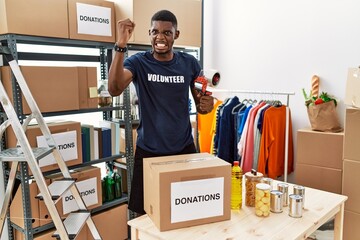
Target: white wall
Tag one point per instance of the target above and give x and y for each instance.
(279, 45)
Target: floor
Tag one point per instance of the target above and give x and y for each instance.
(325, 232)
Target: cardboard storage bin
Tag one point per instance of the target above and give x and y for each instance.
(92, 20)
(352, 133)
(112, 223)
(186, 190)
(88, 181)
(350, 187)
(67, 135)
(351, 225)
(17, 208)
(47, 18)
(322, 149)
(87, 81)
(54, 89)
(322, 178)
(186, 16)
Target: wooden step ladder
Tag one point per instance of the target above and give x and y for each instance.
(72, 225)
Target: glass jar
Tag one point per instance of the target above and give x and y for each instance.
(262, 200)
(105, 99)
(251, 179)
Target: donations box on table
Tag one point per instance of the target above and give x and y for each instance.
(186, 190)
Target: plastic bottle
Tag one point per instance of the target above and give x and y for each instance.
(236, 186)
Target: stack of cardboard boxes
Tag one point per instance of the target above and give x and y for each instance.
(351, 176)
(319, 160)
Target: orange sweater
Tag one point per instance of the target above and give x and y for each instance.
(272, 143)
(205, 124)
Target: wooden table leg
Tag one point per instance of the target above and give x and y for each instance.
(134, 233)
(339, 223)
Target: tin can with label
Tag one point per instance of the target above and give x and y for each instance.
(284, 188)
(276, 201)
(262, 200)
(295, 208)
(267, 181)
(300, 190)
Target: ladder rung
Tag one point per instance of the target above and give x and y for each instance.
(16, 154)
(58, 188)
(74, 223)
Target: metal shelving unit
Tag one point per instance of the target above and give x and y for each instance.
(104, 58)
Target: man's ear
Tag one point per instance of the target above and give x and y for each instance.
(177, 33)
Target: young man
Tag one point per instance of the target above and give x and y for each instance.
(162, 79)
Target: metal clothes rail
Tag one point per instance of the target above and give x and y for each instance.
(287, 94)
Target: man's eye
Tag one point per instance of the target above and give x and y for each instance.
(168, 33)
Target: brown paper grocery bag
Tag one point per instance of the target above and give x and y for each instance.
(323, 117)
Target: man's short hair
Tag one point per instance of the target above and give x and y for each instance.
(165, 15)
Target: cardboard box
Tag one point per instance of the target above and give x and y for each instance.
(87, 80)
(186, 190)
(91, 20)
(46, 18)
(88, 180)
(111, 222)
(123, 142)
(44, 215)
(71, 145)
(323, 149)
(17, 208)
(352, 134)
(352, 93)
(54, 88)
(350, 188)
(326, 179)
(351, 225)
(190, 15)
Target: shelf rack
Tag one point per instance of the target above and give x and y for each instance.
(104, 58)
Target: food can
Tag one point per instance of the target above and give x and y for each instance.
(300, 190)
(284, 188)
(251, 179)
(267, 181)
(276, 201)
(295, 208)
(262, 200)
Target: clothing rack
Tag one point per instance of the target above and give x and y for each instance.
(287, 94)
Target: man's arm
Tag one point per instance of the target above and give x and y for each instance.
(119, 77)
(204, 104)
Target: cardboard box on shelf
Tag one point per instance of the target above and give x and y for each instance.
(92, 20)
(351, 225)
(323, 149)
(67, 135)
(351, 179)
(87, 79)
(326, 179)
(54, 88)
(112, 222)
(38, 18)
(123, 142)
(189, 16)
(88, 181)
(186, 190)
(17, 208)
(352, 133)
